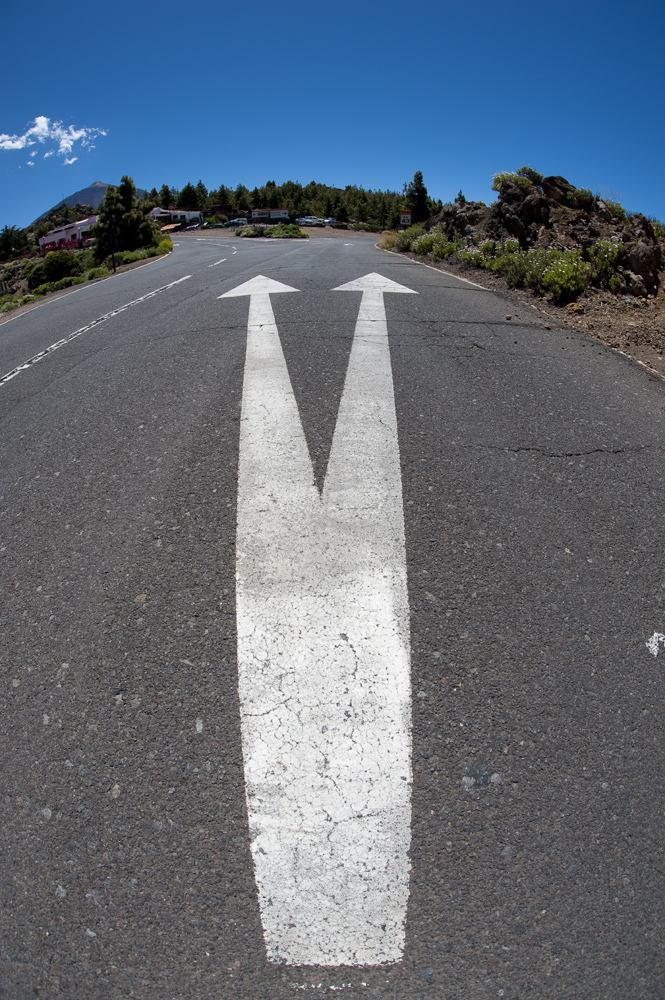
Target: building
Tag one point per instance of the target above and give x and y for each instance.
(73, 236)
(177, 216)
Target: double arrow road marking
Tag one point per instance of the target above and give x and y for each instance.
(323, 650)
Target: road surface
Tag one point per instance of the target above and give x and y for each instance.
(418, 534)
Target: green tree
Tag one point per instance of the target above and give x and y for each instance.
(107, 231)
(165, 199)
(127, 193)
(188, 199)
(123, 223)
(202, 195)
(13, 242)
(416, 198)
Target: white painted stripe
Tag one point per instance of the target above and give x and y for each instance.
(218, 262)
(84, 329)
(323, 652)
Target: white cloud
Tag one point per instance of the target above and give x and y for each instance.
(61, 140)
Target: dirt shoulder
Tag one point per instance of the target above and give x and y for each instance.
(634, 326)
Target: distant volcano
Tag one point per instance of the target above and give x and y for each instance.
(92, 195)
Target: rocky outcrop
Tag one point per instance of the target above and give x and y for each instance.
(557, 189)
(556, 214)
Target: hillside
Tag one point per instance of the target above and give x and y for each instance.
(92, 195)
(580, 260)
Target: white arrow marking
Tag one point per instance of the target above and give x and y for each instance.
(323, 652)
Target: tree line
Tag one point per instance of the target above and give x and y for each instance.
(348, 204)
(125, 223)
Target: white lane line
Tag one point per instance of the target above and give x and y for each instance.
(323, 651)
(84, 329)
(218, 262)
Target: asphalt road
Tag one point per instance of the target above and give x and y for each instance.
(532, 466)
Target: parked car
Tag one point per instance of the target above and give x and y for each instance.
(310, 220)
(235, 223)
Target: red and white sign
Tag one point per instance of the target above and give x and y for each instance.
(405, 217)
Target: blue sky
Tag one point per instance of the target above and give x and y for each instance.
(355, 92)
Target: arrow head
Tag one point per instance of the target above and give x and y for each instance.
(260, 285)
(374, 282)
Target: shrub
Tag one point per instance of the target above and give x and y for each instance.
(286, 231)
(165, 244)
(43, 289)
(96, 272)
(407, 236)
(618, 211)
(615, 284)
(531, 175)
(581, 198)
(59, 264)
(248, 231)
(63, 283)
(604, 258)
(566, 277)
(444, 248)
(522, 182)
(388, 239)
(423, 244)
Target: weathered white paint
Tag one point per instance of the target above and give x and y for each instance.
(323, 651)
(84, 329)
(653, 644)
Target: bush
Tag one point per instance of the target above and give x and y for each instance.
(43, 289)
(423, 244)
(96, 272)
(388, 239)
(618, 211)
(59, 264)
(604, 258)
(407, 236)
(531, 175)
(444, 248)
(566, 277)
(248, 231)
(165, 244)
(63, 283)
(286, 231)
(522, 182)
(581, 198)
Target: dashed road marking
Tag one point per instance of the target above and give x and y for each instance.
(84, 329)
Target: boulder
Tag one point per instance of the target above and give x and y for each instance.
(635, 283)
(643, 261)
(603, 211)
(536, 208)
(557, 188)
